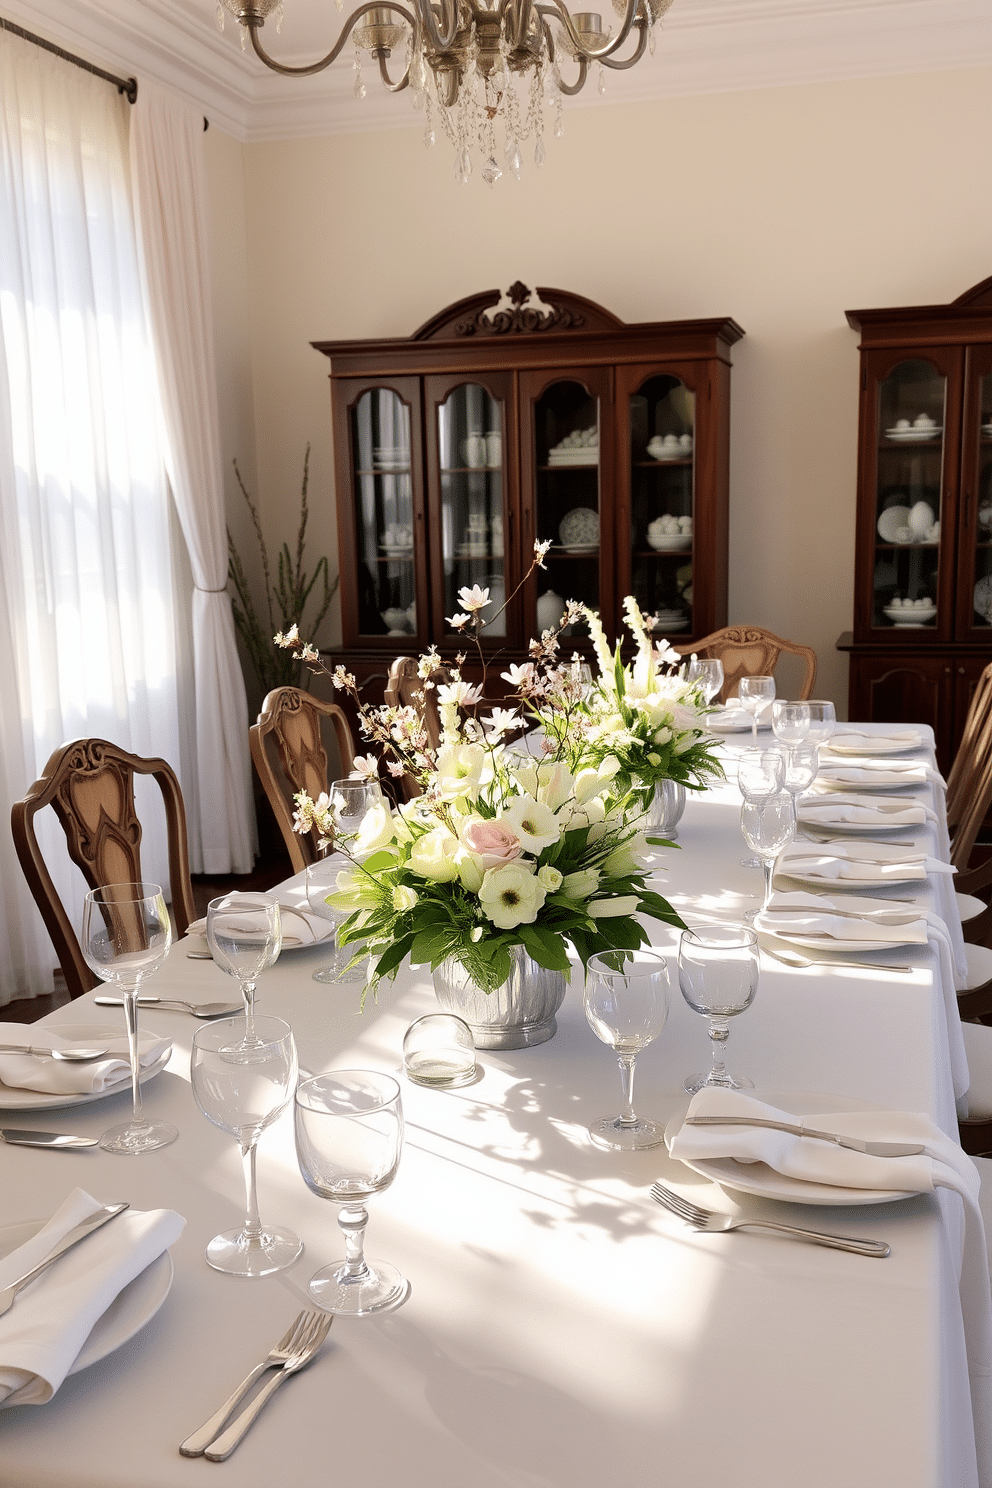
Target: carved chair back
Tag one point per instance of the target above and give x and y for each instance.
(749, 651)
(289, 746)
(89, 784)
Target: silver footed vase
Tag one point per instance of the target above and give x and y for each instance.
(665, 811)
(518, 1015)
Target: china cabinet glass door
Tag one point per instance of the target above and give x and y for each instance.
(911, 587)
(385, 516)
(662, 429)
(567, 450)
(467, 460)
(975, 540)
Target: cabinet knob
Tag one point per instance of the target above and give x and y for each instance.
(947, 671)
(960, 671)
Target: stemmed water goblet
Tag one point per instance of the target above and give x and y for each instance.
(822, 720)
(768, 825)
(125, 939)
(707, 673)
(802, 765)
(244, 933)
(718, 975)
(626, 1006)
(790, 721)
(243, 1091)
(753, 693)
(349, 1134)
(760, 773)
(349, 800)
(321, 881)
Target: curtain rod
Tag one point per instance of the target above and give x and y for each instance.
(127, 86)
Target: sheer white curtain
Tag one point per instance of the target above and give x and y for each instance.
(87, 641)
(171, 203)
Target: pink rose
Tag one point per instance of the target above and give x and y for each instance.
(492, 844)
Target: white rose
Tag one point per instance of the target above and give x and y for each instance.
(581, 884)
(511, 896)
(433, 855)
(375, 831)
(550, 878)
(459, 770)
(404, 898)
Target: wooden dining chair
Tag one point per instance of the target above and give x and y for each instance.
(976, 743)
(299, 743)
(89, 784)
(749, 651)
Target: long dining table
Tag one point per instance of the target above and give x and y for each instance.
(561, 1329)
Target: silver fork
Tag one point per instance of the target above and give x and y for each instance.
(287, 1348)
(705, 1219)
(314, 1336)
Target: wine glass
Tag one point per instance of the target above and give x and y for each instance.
(126, 938)
(349, 1134)
(802, 765)
(626, 1006)
(718, 975)
(760, 773)
(321, 881)
(822, 720)
(790, 721)
(243, 1092)
(349, 800)
(244, 933)
(753, 693)
(707, 673)
(768, 825)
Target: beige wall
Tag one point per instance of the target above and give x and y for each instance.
(782, 208)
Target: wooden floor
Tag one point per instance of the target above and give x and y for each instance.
(272, 870)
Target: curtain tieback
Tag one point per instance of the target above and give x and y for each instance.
(200, 589)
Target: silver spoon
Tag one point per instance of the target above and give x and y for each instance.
(68, 1056)
(198, 1009)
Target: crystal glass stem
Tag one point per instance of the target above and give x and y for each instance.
(253, 1225)
(719, 1032)
(626, 1063)
(352, 1221)
(130, 995)
(754, 728)
(248, 993)
(768, 864)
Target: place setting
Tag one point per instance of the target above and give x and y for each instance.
(858, 863)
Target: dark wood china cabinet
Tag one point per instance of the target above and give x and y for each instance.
(923, 568)
(510, 419)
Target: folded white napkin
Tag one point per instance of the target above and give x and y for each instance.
(831, 927)
(51, 1319)
(879, 862)
(942, 1165)
(29, 1072)
(733, 717)
(879, 774)
(843, 808)
(300, 926)
(850, 741)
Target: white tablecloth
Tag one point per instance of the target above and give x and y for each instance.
(562, 1330)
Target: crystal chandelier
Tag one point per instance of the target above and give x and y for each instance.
(469, 64)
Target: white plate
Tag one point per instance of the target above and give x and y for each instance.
(872, 745)
(767, 1183)
(14, 1099)
(817, 881)
(671, 454)
(675, 542)
(130, 1310)
(891, 520)
(909, 619)
(913, 436)
(592, 547)
(830, 943)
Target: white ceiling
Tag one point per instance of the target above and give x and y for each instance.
(704, 46)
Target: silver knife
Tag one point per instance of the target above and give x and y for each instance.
(871, 1149)
(17, 1138)
(73, 1237)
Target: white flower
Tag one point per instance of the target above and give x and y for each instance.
(375, 831)
(550, 878)
(404, 898)
(555, 783)
(461, 693)
(457, 622)
(627, 858)
(474, 598)
(511, 896)
(519, 676)
(533, 822)
(541, 551)
(459, 770)
(291, 638)
(433, 855)
(581, 884)
(501, 721)
(608, 909)
(366, 766)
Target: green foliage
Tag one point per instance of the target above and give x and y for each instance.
(286, 598)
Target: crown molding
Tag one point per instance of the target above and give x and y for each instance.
(704, 46)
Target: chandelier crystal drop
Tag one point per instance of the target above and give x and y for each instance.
(472, 65)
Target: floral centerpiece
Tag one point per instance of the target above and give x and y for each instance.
(502, 859)
(644, 717)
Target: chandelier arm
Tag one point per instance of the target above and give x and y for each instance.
(384, 74)
(569, 89)
(335, 51)
(517, 14)
(593, 54)
(441, 37)
(642, 43)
